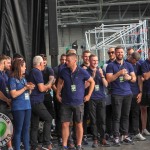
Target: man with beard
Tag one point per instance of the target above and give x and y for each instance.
(5, 101)
(72, 81)
(119, 73)
(137, 96)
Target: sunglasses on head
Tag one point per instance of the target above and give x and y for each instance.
(111, 52)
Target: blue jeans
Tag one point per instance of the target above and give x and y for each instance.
(21, 128)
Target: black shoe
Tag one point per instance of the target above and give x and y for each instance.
(79, 147)
(85, 142)
(60, 141)
(95, 144)
(71, 146)
(64, 148)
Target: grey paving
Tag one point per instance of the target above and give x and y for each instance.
(138, 145)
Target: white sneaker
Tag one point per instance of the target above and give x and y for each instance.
(139, 137)
(145, 132)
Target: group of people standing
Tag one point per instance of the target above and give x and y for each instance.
(108, 96)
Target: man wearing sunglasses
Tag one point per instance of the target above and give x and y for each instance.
(112, 57)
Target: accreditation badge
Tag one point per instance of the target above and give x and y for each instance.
(26, 96)
(97, 88)
(121, 79)
(73, 88)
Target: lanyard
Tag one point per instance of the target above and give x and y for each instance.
(72, 77)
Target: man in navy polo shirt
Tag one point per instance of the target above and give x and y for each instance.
(109, 134)
(97, 103)
(5, 100)
(119, 73)
(38, 108)
(136, 88)
(85, 65)
(145, 96)
(72, 80)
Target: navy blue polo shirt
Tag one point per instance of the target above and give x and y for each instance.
(77, 78)
(97, 94)
(46, 73)
(36, 77)
(134, 86)
(120, 87)
(2, 87)
(21, 102)
(145, 67)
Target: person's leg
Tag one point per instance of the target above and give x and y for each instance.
(25, 129)
(126, 105)
(78, 112)
(135, 110)
(34, 127)
(143, 116)
(116, 108)
(92, 112)
(101, 118)
(85, 117)
(65, 133)
(79, 133)
(18, 117)
(43, 113)
(109, 119)
(66, 117)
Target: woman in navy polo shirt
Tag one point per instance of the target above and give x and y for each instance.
(21, 108)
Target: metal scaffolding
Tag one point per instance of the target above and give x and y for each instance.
(133, 35)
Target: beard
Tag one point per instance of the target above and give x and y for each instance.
(119, 57)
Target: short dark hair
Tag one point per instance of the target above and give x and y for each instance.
(63, 55)
(129, 48)
(16, 56)
(43, 56)
(3, 57)
(119, 47)
(71, 55)
(136, 56)
(92, 55)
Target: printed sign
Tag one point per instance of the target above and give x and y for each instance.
(6, 130)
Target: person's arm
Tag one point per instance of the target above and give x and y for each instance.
(15, 93)
(140, 84)
(104, 81)
(91, 88)
(146, 75)
(59, 88)
(110, 77)
(44, 87)
(4, 98)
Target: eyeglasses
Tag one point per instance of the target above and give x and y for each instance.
(111, 53)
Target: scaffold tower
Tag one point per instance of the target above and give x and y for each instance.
(133, 35)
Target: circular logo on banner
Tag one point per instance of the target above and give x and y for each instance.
(6, 130)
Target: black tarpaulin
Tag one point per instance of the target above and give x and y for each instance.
(22, 27)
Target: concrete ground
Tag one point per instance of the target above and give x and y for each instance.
(138, 145)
